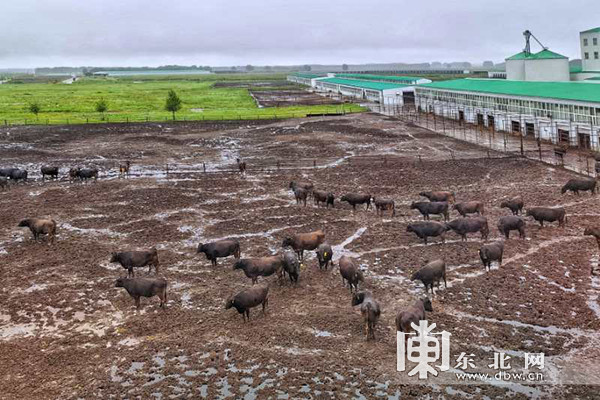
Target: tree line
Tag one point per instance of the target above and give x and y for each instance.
(173, 104)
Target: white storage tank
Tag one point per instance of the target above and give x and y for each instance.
(547, 66)
(515, 67)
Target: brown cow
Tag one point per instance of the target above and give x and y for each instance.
(262, 266)
(412, 315)
(40, 226)
(469, 207)
(350, 272)
(304, 241)
(246, 299)
(144, 287)
(382, 205)
(439, 196)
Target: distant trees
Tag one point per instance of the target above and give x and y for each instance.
(101, 107)
(307, 68)
(344, 67)
(249, 68)
(35, 108)
(173, 103)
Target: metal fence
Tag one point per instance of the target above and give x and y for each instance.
(576, 158)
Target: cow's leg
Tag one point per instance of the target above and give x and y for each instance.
(137, 302)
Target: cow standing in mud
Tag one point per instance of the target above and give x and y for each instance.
(469, 207)
(300, 195)
(40, 226)
(262, 266)
(431, 207)
(412, 315)
(462, 226)
(304, 241)
(350, 272)
(577, 185)
(511, 223)
(515, 205)
(354, 198)
(439, 196)
(324, 255)
(137, 259)
(382, 205)
(308, 186)
(144, 287)
(323, 197)
(52, 172)
(370, 311)
(247, 299)
(220, 249)
(547, 214)
(428, 229)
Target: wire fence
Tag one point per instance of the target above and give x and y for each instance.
(119, 119)
(526, 142)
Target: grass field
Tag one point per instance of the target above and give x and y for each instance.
(142, 98)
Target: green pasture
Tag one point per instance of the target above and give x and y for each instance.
(142, 98)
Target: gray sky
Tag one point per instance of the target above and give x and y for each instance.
(268, 32)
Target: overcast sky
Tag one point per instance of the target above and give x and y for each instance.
(35, 33)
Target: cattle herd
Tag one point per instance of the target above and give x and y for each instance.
(291, 260)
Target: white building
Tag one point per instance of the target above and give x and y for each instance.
(545, 66)
(561, 112)
(590, 50)
(379, 92)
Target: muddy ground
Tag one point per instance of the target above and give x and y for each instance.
(67, 332)
(282, 98)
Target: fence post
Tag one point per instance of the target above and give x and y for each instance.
(167, 168)
(204, 167)
(314, 163)
(277, 165)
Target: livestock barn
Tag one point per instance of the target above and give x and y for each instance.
(562, 112)
(382, 89)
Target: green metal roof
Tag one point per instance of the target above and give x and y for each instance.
(576, 91)
(547, 55)
(595, 30)
(369, 77)
(519, 56)
(363, 84)
(594, 78)
(542, 55)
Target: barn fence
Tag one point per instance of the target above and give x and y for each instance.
(576, 158)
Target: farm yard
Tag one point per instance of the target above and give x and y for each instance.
(142, 99)
(67, 332)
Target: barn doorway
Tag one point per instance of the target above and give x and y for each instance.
(408, 97)
(515, 126)
(563, 136)
(480, 120)
(491, 122)
(461, 116)
(529, 129)
(584, 140)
